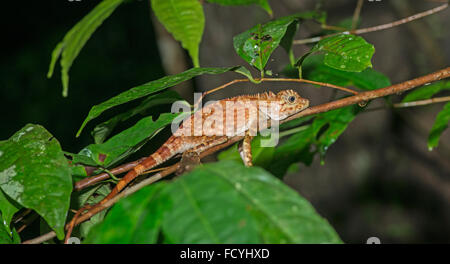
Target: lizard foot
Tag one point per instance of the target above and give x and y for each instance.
(189, 160)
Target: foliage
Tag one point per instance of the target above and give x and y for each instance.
(259, 208)
(76, 38)
(257, 44)
(440, 125)
(344, 52)
(36, 175)
(221, 202)
(442, 118)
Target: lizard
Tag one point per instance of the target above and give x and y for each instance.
(213, 125)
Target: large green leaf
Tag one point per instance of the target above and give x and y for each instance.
(226, 202)
(7, 210)
(222, 202)
(35, 174)
(440, 125)
(263, 3)
(128, 141)
(185, 20)
(76, 38)
(208, 209)
(134, 220)
(344, 52)
(150, 88)
(103, 130)
(257, 44)
(427, 91)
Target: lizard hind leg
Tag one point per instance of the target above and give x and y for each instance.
(245, 150)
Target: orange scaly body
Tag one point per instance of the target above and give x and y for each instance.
(213, 125)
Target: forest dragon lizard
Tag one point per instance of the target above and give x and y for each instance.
(214, 124)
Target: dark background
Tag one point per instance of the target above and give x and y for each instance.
(379, 179)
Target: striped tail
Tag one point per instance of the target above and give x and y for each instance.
(161, 155)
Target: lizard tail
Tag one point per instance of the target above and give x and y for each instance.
(164, 153)
(161, 155)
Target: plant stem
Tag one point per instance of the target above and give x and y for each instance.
(423, 102)
(357, 13)
(376, 28)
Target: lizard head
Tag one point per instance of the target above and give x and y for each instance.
(290, 103)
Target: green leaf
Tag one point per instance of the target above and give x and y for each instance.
(261, 155)
(296, 148)
(35, 174)
(128, 141)
(8, 237)
(323, 132)
(344, 52)
(440, 125)
(287, 40)
(335, 122)
(208, 210)
(185, 20)
(221, 202)
(150, 88)
(82, 158)
(103, 130)
(257, 44)
(134, 220)
(427, 91)
(263, 3)
(7, 210)
(76, 38)
(315, 69)
(92, 197)
(226, 202)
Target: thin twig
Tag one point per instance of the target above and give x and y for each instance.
(361, 97)
(423, 102)
(375, 28)
(357, 13)
(21, 215)
(27, 222)
(41, 239)
(410, 104)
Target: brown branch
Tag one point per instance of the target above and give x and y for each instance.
(360, 97)
(369, 95)
(89, 181)
(376, 28)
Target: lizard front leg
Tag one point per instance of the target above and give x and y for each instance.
(191, 158)
(245, 149)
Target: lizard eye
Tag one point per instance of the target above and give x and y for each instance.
(291, 99)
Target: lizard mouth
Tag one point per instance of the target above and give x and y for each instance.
(305, 103)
